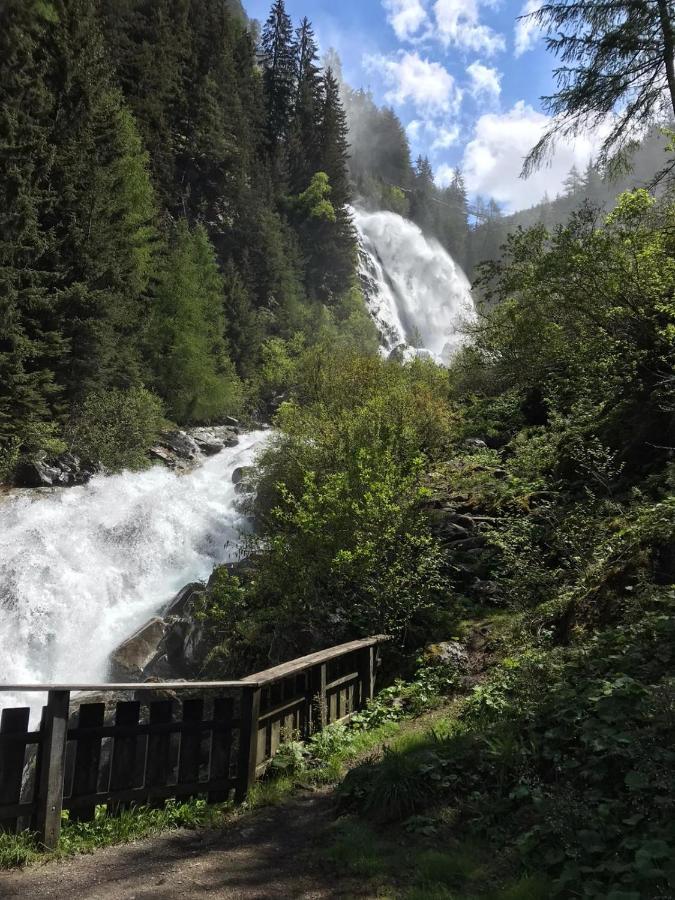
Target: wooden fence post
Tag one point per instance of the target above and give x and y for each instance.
(53, 750)
(318, 700)
(367, 674)
(248, 741)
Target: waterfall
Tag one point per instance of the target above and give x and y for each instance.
(416, 293)
(82, 568)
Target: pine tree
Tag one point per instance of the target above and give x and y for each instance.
(616, 55)
(29, 342)
(330, 246)
(334, 141)
(422, 207)
(243, 327)
(150, 45)
(574, 183)
(304, 137)
(279, 60)
(454, 217)
(103, 211)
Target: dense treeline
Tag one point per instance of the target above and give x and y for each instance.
(173, 197)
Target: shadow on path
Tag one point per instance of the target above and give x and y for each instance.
(267, 854)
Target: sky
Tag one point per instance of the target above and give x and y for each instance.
(465, 78)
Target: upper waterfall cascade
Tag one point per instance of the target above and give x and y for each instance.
(82, 568)
(416, 293)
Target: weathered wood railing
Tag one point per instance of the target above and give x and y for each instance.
(206, 738)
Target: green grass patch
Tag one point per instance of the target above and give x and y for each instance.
(105, 830)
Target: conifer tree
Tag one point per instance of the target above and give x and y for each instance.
(304, 138)
(332, 248)
(242, 323)
(279, 57)
(186, 343)
(29, 341)
(102, 215)
(422, 207)
(454, 217)
(616, 56)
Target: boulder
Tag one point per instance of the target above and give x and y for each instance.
(243, 477)
(184, 599)
(209, 448)
(163, 455)
(34, 473)
(474, 444)
(182, 444)
(131, 659)
(447, 653)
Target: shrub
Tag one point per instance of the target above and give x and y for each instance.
(116, 428)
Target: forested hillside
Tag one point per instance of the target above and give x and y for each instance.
(174, 208)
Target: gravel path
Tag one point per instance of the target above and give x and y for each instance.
(268, 854)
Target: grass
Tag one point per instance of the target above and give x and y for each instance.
(391, 863)
(104, 830)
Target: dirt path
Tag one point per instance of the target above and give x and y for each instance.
(267, 855)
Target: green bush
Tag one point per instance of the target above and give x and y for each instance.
(115, 428)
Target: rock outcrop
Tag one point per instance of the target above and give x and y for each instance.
(182, 450)
(64, 470)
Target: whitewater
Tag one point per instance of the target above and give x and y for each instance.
(418, 296)
(82, 568)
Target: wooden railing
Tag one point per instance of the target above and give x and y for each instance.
(204, 738)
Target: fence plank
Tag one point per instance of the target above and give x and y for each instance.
(367, 674)
(248, 741)
(190, 742)
(158, 766)
(319, 706)
(221, 746)
(13, 722)
(87, 758)
(53, 753)
(123, 768)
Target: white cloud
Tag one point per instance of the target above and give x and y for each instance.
(424, 83)
(444, 137)
(458, 23)
(485, 81)
(526, 30)
(414, 128)
(494, 156)
(443, 175)
(406, 17)
(432, 137)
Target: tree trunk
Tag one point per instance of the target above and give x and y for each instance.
(668, 47)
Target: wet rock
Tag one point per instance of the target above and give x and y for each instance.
(447, 653)
(181, 443)
(243, 479)
(163, 455)
(241, 473)
(184, 600)
(474, 444)
(131, 659)
(37, 473)
(209, 448)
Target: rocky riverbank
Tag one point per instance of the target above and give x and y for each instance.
(178, 450)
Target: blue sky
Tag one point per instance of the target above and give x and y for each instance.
(463, 75)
